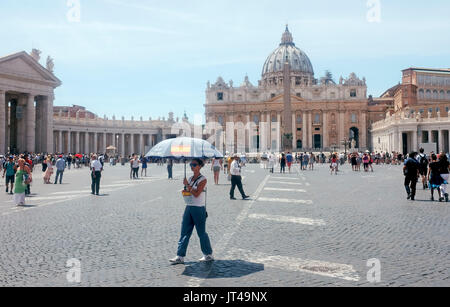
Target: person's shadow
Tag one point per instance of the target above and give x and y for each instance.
(222, 269)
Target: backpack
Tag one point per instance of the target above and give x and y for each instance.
(423, 161)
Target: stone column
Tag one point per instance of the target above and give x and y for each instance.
(325, 130)
(304, 131)
(69, 141)
(77, 142)
(441, 141)
(60, 142)
(341, 133)
(2, 122)
(294, 132)
(95, 142)
(31, 124)
(310, 131)
(363, 138)
(415, 146)
(104, 142)
(400, 141)
(142, 143)
(279, 136)
(122, 144)
(86, 143)
(132, 143)
(49, 118)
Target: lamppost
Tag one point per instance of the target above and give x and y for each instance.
(346, 142)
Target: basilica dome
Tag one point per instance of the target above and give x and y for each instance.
(298, 60)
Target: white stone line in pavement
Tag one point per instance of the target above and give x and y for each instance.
(219, 248)
(287, 183)
(307, 184)
(34, 199)
(288, 219)
(285, 190)
(285, 178)
(322, 268)
(153, 200)
(285, 200)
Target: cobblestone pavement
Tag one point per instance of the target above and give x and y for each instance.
(306, 228)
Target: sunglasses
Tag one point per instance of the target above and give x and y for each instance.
(193, 164)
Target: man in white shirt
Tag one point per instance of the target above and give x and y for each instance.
(96, 174)
(236, 179)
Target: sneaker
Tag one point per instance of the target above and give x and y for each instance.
(177, 260)
(409, 196)
(232, 198)
(207, 258)
(245, 197)
(446, 197)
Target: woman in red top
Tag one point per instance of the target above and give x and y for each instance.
(334, 164)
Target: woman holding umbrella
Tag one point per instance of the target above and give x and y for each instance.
(194, 214)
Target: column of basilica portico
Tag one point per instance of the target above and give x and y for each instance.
(60, 142)
(49, 121)
(325, 130)
(86, 143)
(310, 130)
(95, 142)
(294, 132)
(341, 133)
(3, 122)
(104, 145)
(122, 144)
(132, 143)
(304, 130)
(363, 141)
(77, 142)
(69, 142)
(142, 143)
(31, 124)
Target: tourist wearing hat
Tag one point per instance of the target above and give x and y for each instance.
(60, 167)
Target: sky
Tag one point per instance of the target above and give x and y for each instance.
(148, 58)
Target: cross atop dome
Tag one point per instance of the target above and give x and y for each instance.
(287, 38)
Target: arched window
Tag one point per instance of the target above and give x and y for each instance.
(353, 93)
(428, 94)
(442, 95)
(448, 95)
(299, 119)
(435, 95)
(421, 94)
(220, 96)
(353, 118)
(317, 119)
(256, 119)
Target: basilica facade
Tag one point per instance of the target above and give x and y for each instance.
(300, 112)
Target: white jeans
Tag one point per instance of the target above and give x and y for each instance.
(444, 186)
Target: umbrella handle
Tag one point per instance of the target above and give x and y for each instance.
(185, 187)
